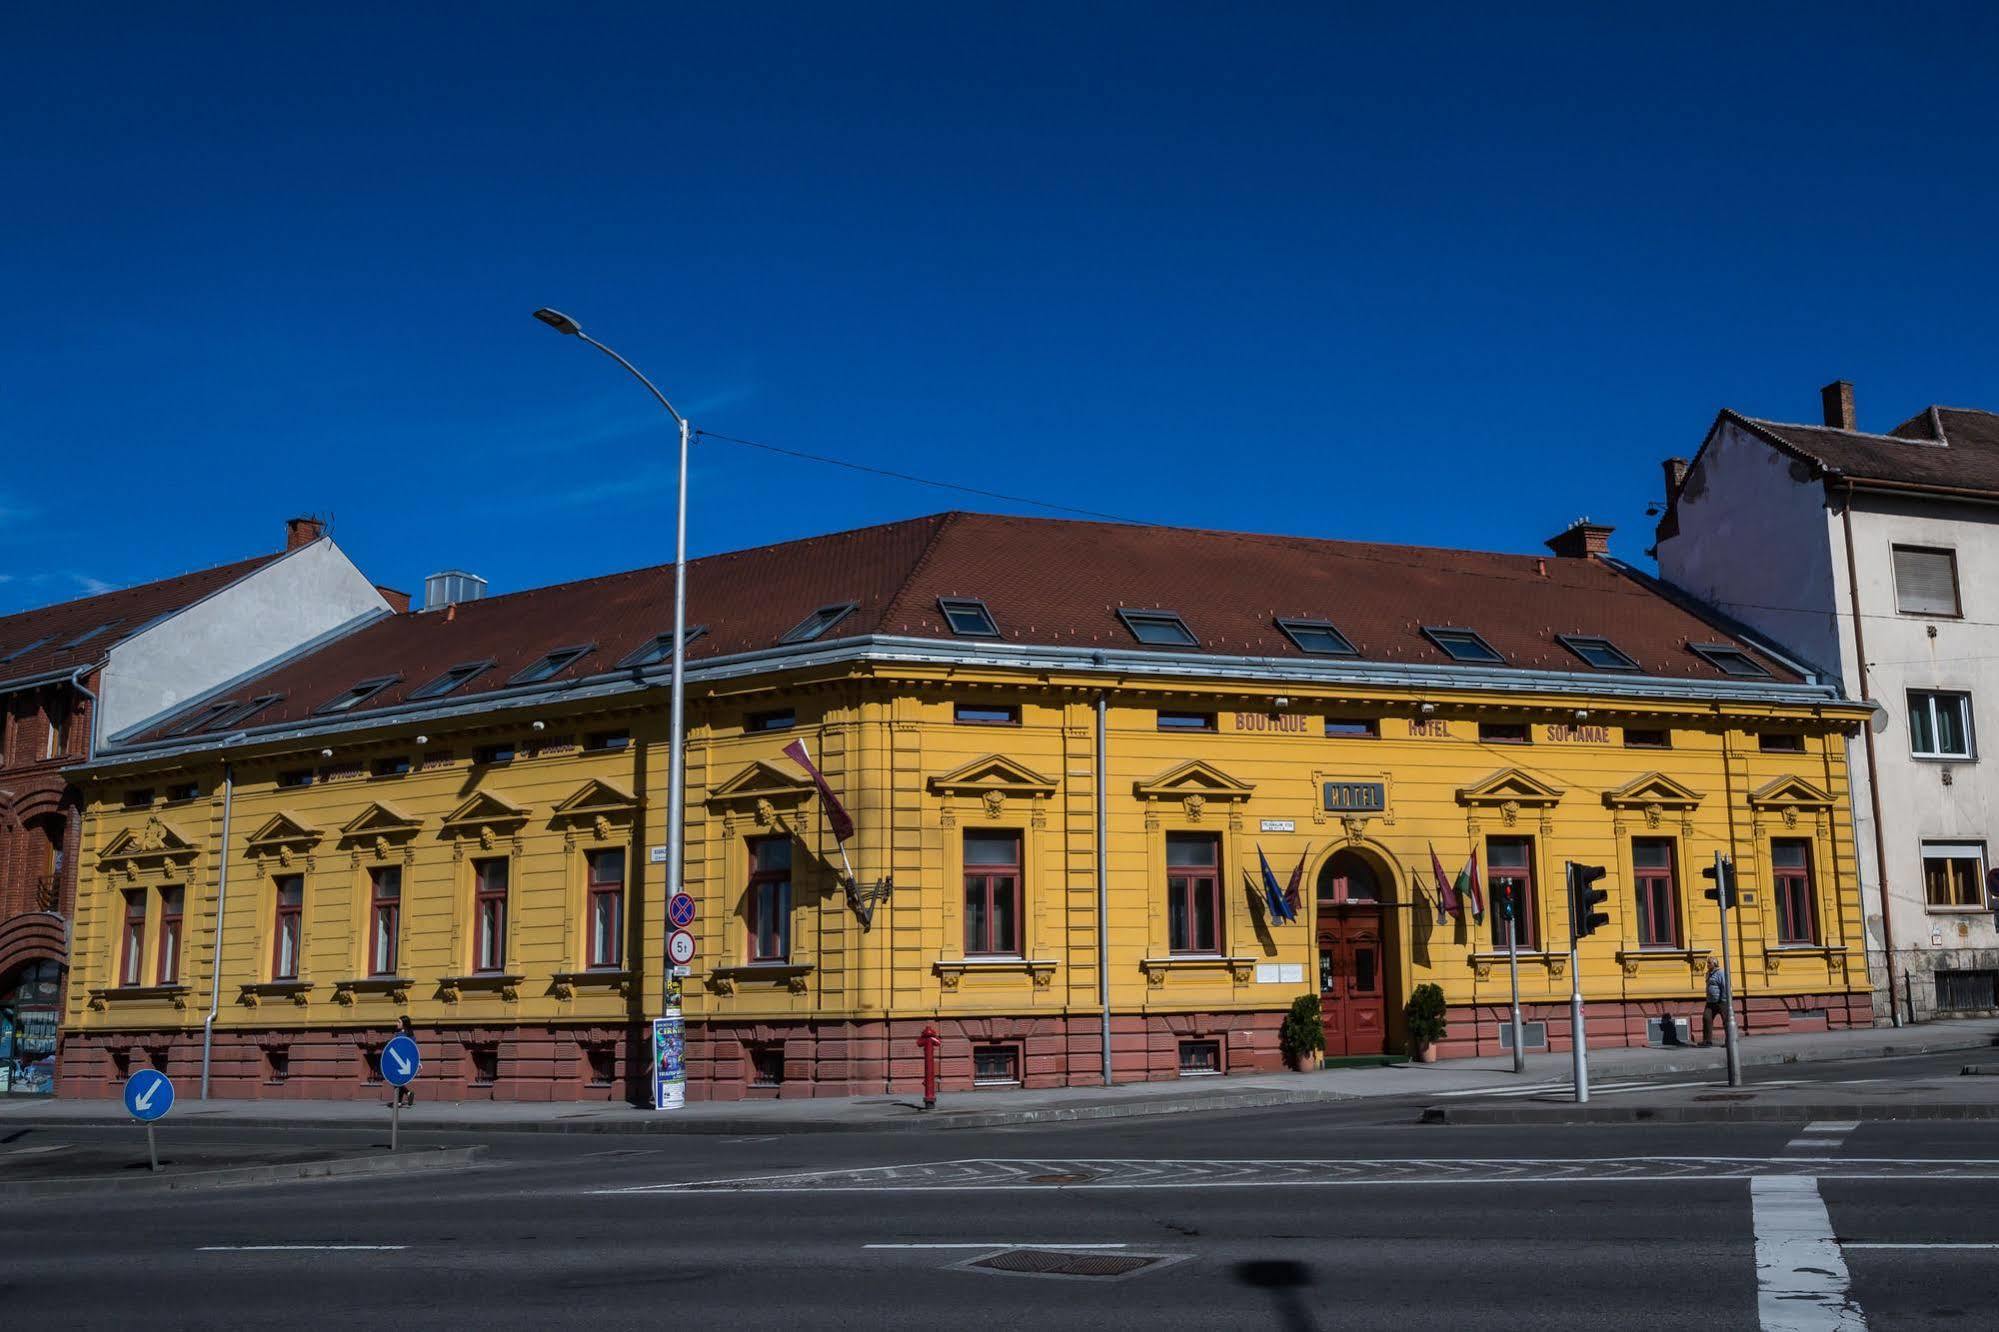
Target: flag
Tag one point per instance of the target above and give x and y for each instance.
(1271, 895)
(1447, 896)
(1291, 889)
(837, 816)
(1468, 889)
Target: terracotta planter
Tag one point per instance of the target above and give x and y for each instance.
(1307, 1061)
(1426, 1054)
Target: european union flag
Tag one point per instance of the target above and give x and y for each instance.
(1280, 911)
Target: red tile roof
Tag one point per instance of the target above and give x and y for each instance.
(1945, 447)
(1047, 582)
(61, 638)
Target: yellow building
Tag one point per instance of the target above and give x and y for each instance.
(458, 815)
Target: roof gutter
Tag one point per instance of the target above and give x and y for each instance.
(1966, 493)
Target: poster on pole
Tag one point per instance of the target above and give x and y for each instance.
(669, 1071)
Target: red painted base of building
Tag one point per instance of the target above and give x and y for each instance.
(731, 1061)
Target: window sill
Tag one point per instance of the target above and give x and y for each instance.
(255, 992)
(1829, 954)
(506, 984)
(951, 970)
(1157, 969)
(723, 980)
(566, 983)
(1944, 758)
(1483, 963)
(396, 987)
(1693, 959)
(178, 994)
(1935, 910)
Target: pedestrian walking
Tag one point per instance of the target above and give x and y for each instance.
(1717, 1001)
(405, 1094)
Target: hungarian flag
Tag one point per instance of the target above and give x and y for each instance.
(1447, 896)
(1274, 898)
(1292, 900)
(1468, 888)
(837, 816)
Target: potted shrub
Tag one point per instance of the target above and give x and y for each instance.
(1303, 1034)
(1425, 1015)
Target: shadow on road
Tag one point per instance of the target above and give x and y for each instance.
(1283, 1279)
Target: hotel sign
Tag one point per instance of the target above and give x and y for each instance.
(1356, 797)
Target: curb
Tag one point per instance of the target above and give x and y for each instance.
(1701, 1114)
(436, 1158)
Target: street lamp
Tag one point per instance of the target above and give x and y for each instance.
(675, 763)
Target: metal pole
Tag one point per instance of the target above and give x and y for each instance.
(1577, 1048)
(152, 1148)
(676, 763)
(1103, 897)
(221, 905)
(1721, 869)
(395, 1117)
(1513, 970)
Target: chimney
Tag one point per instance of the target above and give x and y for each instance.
(1669, 514)
(399, 602)
(1837, 400)
(1582, 540)
(302, 532)
(451, 587)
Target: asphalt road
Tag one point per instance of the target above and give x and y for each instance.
(1292, 1217)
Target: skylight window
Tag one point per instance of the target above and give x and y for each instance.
(229, 713)
(356, 696)
(659, 648)
(818, 622)
(451, 679)
(1317, 637)
(200, 717)
(1159, 628)
(26, 648)
(553, 664)
(1730, 660)
(1464, 645)
(968, 617)
(1598, 652)
(89, 634)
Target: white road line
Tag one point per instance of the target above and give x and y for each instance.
(1920, 1246)
(1832, 1126)
(1812, 1145)
(300, 1248)
(998, 1244)
(1800, 1275)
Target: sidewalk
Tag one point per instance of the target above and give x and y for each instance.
(870, 1114)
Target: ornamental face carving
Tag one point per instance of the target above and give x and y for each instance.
(1194, 804)
(1654, 815)
(1790, 816)
(1509, 813)
(601, 827)
(995, 803)
(153, 836)
(485, 837)
(766, 814)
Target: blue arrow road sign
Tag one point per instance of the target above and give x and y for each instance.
(400, 1061)
(149, 1094)
(680, 910)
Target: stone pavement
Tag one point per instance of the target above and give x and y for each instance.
(868, 1114)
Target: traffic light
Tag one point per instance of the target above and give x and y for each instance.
(1585, 897)
(1727, 884)
(1502, 898)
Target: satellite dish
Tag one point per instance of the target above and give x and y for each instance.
(1879, 721)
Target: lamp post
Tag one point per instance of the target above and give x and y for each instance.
(676, 762)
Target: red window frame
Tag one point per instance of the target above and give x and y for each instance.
(489, 914)
(287, 926)
(173, 902)
(133, 949)
(767, 902)
(1194, 890)
(605, 908)
(1657, 889)
(385, 919)
(989, 886)
(1797, 901)
(1526, 900)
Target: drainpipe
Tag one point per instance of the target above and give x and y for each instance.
(89, 753)
(1103, 897)
(90, 732)
(1895, 1015)
(221, 902)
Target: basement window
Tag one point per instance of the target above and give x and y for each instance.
(1729, 660)
(278, 1062)
(451, 679)
(485, 1064)
(1200, 1059)
(1598, 652)
(603, 1061)
(356, 696)
(968, 617)
(1158, 628)
(1464, 645)
(766, 1065)
(659, 648)
(553, 664)
(818, 622)
(1317, 637)
(996, 1066)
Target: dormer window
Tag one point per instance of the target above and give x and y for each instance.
(1158, 628)
(553, 664)
(1317, 637)
(201, 717)
(89, 634)
(357, 695)
(660, 648)
(1730, 660)
(451, 679)
(1598, 652)
(226, 713)
(968, 617)
(818, 622)
(26, 648)
(1464, 645)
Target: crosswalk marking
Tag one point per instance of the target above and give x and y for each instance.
(1801, 1277)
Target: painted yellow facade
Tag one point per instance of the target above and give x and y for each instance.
(841, 1007)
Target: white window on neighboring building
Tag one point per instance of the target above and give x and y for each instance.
(1939, 724)
(1926, 581)
(1954, 875)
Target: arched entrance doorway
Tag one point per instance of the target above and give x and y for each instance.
(1353, 956)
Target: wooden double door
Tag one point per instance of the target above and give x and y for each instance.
(1353, 999)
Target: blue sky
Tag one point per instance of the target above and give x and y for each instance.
(1438, 276)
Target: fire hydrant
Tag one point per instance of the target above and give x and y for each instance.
(930, 1040)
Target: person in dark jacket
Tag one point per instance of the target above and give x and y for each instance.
(405, 1094)
(1717, 1001)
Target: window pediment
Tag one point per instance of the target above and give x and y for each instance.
(597, 798)
(1195, 777)
(285, 830)
(994, 772)
(1654, 788)
(156, 840)
(380, 820)
(1792, 791)
(1510, 786)
(485, 809)
(760, 781)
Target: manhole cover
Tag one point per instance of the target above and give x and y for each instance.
(1050, 1262)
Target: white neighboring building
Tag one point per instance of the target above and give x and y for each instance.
(1876, 558)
